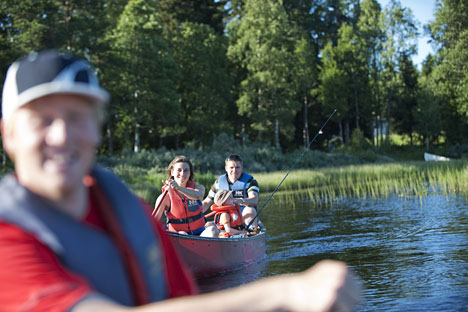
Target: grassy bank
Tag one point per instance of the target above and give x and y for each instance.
(144, 171)
(321, 177)
(371, 180)
(327, 184)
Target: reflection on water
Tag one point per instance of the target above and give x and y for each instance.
(243, 276)
(412, 253)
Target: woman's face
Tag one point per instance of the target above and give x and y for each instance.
(181, 173)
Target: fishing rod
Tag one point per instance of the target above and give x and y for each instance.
(294, 165)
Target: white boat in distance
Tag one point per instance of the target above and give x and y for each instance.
(432, 157)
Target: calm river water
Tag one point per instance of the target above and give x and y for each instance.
(411, 253)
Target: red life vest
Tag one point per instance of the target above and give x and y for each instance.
(123, 266)
(235, 216)
(185, 214)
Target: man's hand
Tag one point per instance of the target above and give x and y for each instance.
(327, 286)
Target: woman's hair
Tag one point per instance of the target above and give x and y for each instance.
(180, 159)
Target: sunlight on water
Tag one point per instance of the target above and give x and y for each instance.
(411, 252)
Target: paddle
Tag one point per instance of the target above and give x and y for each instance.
(156, 209)
(294, 165)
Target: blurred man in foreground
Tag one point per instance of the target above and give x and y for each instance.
(72, 237)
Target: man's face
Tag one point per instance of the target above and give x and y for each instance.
(52, 141)
(234, 170)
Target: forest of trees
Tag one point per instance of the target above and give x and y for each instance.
(181, 72)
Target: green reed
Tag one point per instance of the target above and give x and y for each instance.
(325, 186)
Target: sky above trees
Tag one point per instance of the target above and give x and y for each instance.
(423, 11)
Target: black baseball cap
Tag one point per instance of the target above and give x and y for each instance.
(49, 72)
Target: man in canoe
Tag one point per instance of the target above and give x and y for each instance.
(74, 238)
(243, 186)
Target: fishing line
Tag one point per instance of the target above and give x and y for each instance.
(294, 165)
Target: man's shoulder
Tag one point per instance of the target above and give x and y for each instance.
(253, 185)
(29, 268)
(250, 178)
(11, 232)
(253, 182)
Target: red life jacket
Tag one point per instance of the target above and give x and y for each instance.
(185, 214)
(235, 216)
(123, 266)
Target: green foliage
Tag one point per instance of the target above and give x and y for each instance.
(148, 72)
(336, 85)
(358, 141)
(406, 97)
(262, 43)
(204, 82)
(457, 151)
(179, 76)
(207, 12)
(427, 109)
(75, 25)
(448, 75)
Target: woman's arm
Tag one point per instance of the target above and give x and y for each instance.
(161, 204)
(196, 193)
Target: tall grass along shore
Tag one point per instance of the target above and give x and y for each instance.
(325, 185)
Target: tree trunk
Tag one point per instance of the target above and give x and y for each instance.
(341, 131)
(277, 137)
(243, 134)
(374, 134)
(356, 107)
(110, 134)
(177, 141)
(347, 132)
(305, 131)
(259, 100)
(387, 129)
(381, 132)
(136, 146)
(110, 142)
(277, 134)
(426, 137)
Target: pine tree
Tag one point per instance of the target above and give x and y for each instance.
(263, 42)
(149, 103)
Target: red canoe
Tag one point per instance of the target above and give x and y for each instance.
(211, 256)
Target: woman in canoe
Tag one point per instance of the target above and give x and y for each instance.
(181, 201)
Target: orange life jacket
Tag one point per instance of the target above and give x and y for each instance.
(185, 214)
(235, 216)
